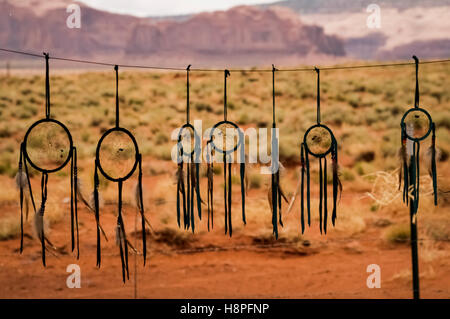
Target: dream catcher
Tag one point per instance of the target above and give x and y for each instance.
(318, 142)
(416, 125)
(275, 192)
(117, 157)
(222, 138)
(48, 148)
(189, 191)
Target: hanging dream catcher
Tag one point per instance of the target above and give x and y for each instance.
(117, 157)
(275, 191)
(416, 125)
(222, 139)
(189, 191)
(318, 142)
(48, 148)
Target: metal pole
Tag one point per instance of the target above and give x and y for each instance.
(414, 253)
(410, 149)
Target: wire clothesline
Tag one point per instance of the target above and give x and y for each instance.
(326, 68)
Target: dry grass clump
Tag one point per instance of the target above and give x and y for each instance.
(9, 227)
(399, 233)
(172, 237)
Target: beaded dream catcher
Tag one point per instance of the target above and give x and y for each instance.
(319, 141)
(275, 191)
(187, 192)
(48, 148)
(117, 157)
(416, 125)
(222, 139)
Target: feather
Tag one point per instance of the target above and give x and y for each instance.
(38, 224)
(21, 183)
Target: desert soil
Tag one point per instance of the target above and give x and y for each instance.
(211, 265)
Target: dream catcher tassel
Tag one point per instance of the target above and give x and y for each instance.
(302, 190)
(416, 125)
(275, 193)
(121, 237)
(432, 169)
(140, 205)
(59, 152)
(39, 217)
(190, 192)
(210, 177)
(227, 195)
(227, 163)
(337, 185)
(74, 202)
(318, 142)
(181, 192)
(123, 143)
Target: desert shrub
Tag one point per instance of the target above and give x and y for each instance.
(203, 107)
(9, 228)
(255, 180)
(161, 138)
(399, 233)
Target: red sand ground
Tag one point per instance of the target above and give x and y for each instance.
(215, 266)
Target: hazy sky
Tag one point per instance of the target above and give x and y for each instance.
(166, 7)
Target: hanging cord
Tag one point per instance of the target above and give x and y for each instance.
(273, 93)
(416, 98)
(318, 94)
(116, 68)
(187, 89)
(47, 86)
(227, 74)
(305, 69)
